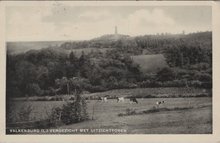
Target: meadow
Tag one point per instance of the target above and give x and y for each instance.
(195, 116)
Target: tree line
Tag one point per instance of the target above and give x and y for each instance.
(153, 44)
(50, 72)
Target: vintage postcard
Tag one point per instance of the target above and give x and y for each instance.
(109, 68)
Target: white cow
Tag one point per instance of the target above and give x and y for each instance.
(103, 99)
(120, 99)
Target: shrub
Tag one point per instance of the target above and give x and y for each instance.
(55, 117)
(25, 112)
(165, 74)
(128, 112)
(10, 115)
(72, 112)
(195, 83)
(34, 89)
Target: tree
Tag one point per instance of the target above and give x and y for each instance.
(78, 83)
(34, 90)
(85, 65)
(63, 84)
(75, 111)
(165, 74)
(26, 74)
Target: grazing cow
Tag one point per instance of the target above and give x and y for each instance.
(103, 99)
(133, 99)
(120, 99)
(159, 103)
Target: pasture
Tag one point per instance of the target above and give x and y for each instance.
(196, 119)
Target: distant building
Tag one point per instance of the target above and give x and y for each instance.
(116, 30)
(183, 32)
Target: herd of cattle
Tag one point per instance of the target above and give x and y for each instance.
(131, 100)
(101, 99)
(119, 99)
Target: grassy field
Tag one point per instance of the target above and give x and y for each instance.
(196, 119)
(150, 63)
(155, 92)
(138, 92)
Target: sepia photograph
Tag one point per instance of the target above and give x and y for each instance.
(112, 69)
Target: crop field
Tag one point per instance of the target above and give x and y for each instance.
(150, 63)
(194, 117)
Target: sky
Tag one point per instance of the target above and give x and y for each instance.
(52, 23)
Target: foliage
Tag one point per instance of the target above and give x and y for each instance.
(72, 112)
(165, 74)
(183, 55)
(51, 71)
(75, 111)
(25, 112)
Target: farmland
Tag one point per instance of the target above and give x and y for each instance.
(196, 119)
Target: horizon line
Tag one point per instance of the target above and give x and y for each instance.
(68, 40)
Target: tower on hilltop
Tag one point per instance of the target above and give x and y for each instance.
(116, 30)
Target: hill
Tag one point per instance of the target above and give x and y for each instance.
(22, 47)
(110, 38)
(154, 44)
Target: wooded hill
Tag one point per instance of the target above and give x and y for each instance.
(109, 63)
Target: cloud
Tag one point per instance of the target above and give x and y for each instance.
(75, 23)
(145, 22)
(154, 17)
(29, 25)
(95, 15)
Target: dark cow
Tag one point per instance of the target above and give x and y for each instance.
(133, 99)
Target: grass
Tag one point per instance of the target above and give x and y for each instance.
(176, 120)
(162, 92)
(153, 110)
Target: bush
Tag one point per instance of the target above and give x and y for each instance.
(165, 74)
(200, 66)
(55, 117)
(148, 83)
(96, 89)
(34, 89)
(195, 83)
(174, 83)
(128, 112)
(72, 112)
(25, 112)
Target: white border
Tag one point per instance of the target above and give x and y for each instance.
(151, 138)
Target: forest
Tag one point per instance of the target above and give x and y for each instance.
(51, 71)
